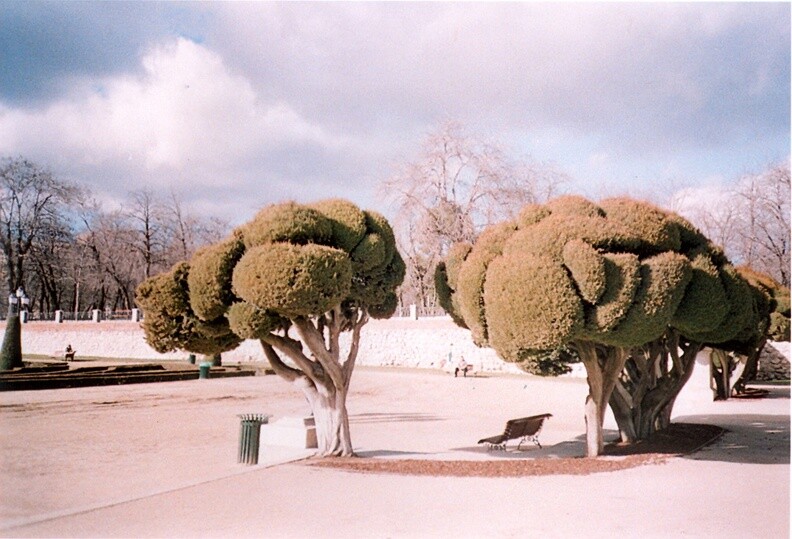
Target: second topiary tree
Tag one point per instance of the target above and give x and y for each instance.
(316, 270)
(634, 290)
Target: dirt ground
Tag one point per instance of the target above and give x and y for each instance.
(159, 460)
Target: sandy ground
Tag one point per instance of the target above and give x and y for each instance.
(159, 460)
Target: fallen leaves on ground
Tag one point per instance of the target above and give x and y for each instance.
(678, 439)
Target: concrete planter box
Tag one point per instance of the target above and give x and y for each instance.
(299, 432)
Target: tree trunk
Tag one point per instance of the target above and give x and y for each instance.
(325, 379)
(720, 370)
(648, 386)
(751, 367)
(332, 423)
(627, 416)
(215, 359)
(603, 365)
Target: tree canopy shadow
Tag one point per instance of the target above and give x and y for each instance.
(749, 438)
(385, 453)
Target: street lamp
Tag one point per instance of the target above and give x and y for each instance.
(17, 302)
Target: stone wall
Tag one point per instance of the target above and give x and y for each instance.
(774, 362)
(424, 343)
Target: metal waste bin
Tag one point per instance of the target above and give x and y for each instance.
(191, 359)
(249, 436)
(204, 369)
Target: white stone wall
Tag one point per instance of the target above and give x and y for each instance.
(423, 343)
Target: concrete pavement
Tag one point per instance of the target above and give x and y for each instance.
(158, 460)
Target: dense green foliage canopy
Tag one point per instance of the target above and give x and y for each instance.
(770, 296)
(618, 273)
(291, 261)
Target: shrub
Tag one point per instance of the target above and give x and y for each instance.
(587, 267)
(347, 222)
(287, 222)
(209, 280)
(170, 323)
(622, 277)
(705, 303)
(453, 261)
(740, 314)
(471, 277)
(250, 322)
(531, 305)
(664, 278)
(649, 226)
(574, 205)
(293, 280)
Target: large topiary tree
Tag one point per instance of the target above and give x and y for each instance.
(294, 278)
(634, 290)
(772, 303)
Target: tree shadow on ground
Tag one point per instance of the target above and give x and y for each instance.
(385, 453)
(528, 450)
(749, 439)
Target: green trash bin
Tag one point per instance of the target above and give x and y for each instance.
(204, 369)
(249, 437)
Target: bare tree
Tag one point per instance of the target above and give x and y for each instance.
(112, 245)
(71, 254)
(753, 225)
(455, 186)
(763, 229)
(33, 207)
(49, 259)
(187, 232)
(148, 221)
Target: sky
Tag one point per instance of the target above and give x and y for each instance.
(233, 105)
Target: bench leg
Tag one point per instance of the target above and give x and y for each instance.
(534, 439)
(496, 447)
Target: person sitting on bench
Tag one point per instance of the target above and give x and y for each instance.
(69, 354)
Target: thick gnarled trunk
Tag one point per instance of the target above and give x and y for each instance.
(323, 378)
(647, 388)
(332, 424)
(750, 367)
(603, 365)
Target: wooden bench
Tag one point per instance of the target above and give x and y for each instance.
(525, 428)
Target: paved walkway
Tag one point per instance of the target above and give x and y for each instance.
(159, 460)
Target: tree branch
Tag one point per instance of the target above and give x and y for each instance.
(312, 369)
(280, 368)
(349, 364)
(315, 342)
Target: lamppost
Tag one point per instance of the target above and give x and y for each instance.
(11, 352)
(17, 300)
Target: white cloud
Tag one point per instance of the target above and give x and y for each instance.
(647, 77)
(186, 113)
(303, 100)
(692, 202)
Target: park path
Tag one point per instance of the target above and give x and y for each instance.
(159, 460)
